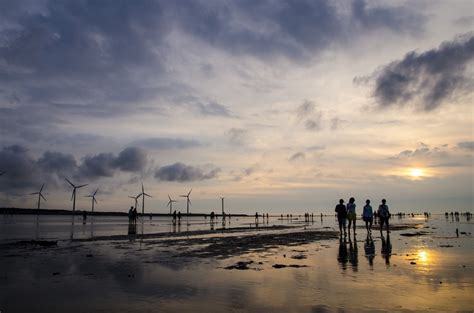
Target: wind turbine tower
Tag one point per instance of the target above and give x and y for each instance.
(73, 196)
(40, 195)
(188, 202)
(170, 203)
(143, 194)
(94, 200)
(222, 205)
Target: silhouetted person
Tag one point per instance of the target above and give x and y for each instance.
(384, 215)
(386, 248)
(135, 215)
(84, 215)
(351, 214)
(212, 216)
(130, 215)
(174, 217)
(368, 216)
(256, 217)
(179, 216)
(341, 215)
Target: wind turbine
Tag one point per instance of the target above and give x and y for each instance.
(143, 194)
(222, 205)
(170, 203)
(40, 195)
(188, 202)
(136, 200)
(73, 196)
(94, 200)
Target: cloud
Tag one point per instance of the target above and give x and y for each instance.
(181, 172)
(25, 171)
(297, 157)
(428, 79)
(335, 123)
(163, 143)
(213, 108)
(130, 159)
(468, 145)
(237, 136)
(314, 124)
(306, 108)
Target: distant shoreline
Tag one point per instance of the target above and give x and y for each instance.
(24, 211)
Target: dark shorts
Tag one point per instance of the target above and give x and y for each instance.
(368, 219)
(384, 220)
(341, 220)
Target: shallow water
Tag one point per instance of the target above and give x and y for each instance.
(148, 275)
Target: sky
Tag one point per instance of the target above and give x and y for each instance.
(279, 106)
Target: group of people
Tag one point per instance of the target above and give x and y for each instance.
(348, 212)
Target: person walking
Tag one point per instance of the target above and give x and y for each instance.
(341, 216)
(368, 216)
(351, 214)
(384, 214)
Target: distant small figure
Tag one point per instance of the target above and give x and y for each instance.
(179, 216)
(134, 215)
(351, 213)
(130, 215)
(368, 216)
(151, 216)
(84, 215)
(212, 216)
(174, 217)
(384, 215)
(341, 215)
(256, 217)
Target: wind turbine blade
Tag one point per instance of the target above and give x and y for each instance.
(41, 189)
(190, 192)
(189, 202)
(73, 193)
(169, 197)
(70, 182)
(95, 200)
(148, 195)
(34, 193)
(96, 191)
(82, 186)
(184, 196)
(42, 197)
(143, 188)
(131, 197)
(169, 203)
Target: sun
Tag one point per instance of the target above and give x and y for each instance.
(416, 172)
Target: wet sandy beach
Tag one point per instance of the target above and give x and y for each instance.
(421, 265)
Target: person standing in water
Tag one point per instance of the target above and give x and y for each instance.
(368, 216)
(341, 215)
(384, 214)
(351, 214)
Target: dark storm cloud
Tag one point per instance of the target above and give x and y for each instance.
(163, 143)
(131, 159)
(430, 78)
(181, 172)
(25, 171)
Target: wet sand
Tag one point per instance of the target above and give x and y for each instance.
(281, 268)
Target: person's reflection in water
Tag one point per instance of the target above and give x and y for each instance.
(92, 226)
(37, 226)
(132, 229)
(369, 248)
(386, 248)
(342, 254)
(353, 253)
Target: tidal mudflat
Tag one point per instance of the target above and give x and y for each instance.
(281, 266)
